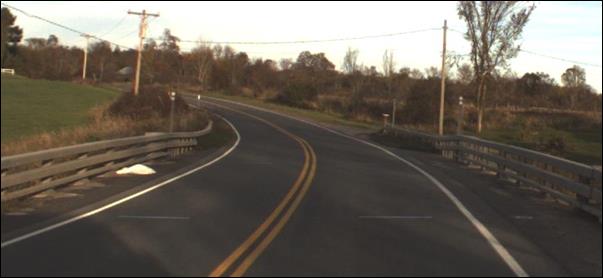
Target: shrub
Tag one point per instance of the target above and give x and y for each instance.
(555, 143)
(297, 94)
(152, 101)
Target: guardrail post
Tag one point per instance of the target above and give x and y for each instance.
(46, 164)
(518, 182)
(84, 170)
(172, 149)
(584, 200)
(2, 193)
(502, 169)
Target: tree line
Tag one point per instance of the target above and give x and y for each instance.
(309, 81)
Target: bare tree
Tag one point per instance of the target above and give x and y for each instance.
(574, 79)
(493, 27)
(465, 74)
(203, 59)
(350, 61)
(100, 57)
(389, 67)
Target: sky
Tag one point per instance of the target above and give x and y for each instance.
(566, 30)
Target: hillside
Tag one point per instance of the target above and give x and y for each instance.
(34, 106)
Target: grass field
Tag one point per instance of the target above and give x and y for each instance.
(33, 106)
(583, 145)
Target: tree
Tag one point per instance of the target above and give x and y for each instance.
(313, 62)
(11, 35)
(574, 77)
(416, 74)
(285, 64)
(493, 27)
(169, 42)
(574, 80)
(534, 87)
(52, 41)
(168, 65)
(350, 61)
(388, 63)
(100, 57)
(203, 60)
(464, 74)
(389, 66)
(433, 73)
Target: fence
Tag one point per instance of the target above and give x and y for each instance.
(575, 183)
(31, 173)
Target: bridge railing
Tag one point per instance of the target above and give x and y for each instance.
(575, 183)
(31, 173)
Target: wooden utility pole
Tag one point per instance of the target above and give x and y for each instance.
(443, 86)
(85, 56)
(141, 35)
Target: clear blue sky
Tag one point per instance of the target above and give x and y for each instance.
(569, 30)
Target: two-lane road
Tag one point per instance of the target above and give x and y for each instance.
(292, 199)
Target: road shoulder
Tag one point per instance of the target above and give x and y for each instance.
(51, 207)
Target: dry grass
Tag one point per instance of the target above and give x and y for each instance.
(103, 127)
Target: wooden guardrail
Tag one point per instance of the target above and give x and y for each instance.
(31, 173)
(575, 183)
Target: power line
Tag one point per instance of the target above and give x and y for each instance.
(545, 55)
(560, 59)
(129, 34)
(309, 41)
(115, 26)
(63, 26)
(137, 29)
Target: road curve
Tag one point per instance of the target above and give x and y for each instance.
(292, 199)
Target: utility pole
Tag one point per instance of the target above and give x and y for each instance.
(141, 35)
(85, 56)
(443, 86)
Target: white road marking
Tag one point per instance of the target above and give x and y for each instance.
(153, 217)
(522, 217)
(106, 207)
(481, 228)
(397, 217)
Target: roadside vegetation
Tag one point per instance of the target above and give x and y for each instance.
(126, 116)
(560, 115)
(574, 136)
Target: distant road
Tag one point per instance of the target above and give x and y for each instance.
(292, 199)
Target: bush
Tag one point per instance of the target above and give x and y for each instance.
(554, 143)
(233, 91)
(297, 94)
(152, 101)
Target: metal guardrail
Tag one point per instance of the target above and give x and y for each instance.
(31, 173)
(575, 183)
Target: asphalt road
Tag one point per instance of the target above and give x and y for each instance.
(291, 199)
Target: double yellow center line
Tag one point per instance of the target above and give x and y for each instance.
(242, 258)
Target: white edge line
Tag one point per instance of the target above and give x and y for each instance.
(106, 207)
(504, 254)
(397, 217)
(153, 217)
